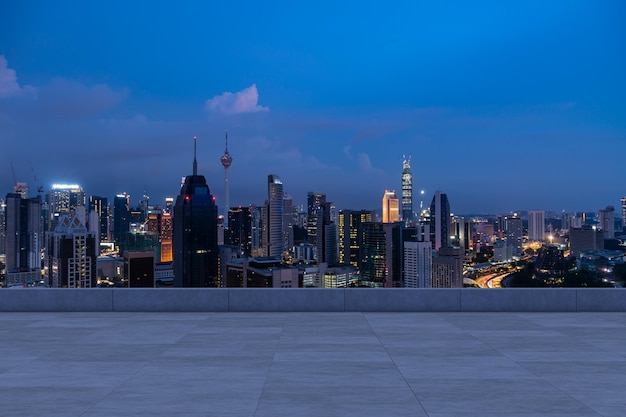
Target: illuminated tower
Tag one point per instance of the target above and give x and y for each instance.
(390, 207)
(407, 191)
(273, 239)
(195, 233)
(226, 160)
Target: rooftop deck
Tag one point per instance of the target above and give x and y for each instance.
(192, 364)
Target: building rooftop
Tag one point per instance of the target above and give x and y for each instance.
(449, 364)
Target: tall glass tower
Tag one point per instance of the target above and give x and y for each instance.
(195, 233)
(273, 217)
(440, 220)
(407, 191)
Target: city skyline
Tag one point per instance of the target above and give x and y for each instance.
(497, 104)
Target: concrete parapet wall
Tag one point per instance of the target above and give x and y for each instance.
(313, 299)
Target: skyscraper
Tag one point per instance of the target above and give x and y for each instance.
(100, 206)
(273, 219)
(195, 233)
(536, 225)
(315, 200)
(226, 161)
(373, 263)
(24, 238)
(418, 268)
(448, 268)
(607, 222)
(513, 229)
(71, 255)
(407, 191)
(63, 199)
(390, 207)
(240, 229)
(440, 220)
(121, 217)
(351, 235)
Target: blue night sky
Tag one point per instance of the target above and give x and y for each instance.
(503, 105)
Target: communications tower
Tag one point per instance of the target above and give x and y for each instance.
(226, 160)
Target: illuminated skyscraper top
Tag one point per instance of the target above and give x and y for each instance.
(226, 160)
(407, 190)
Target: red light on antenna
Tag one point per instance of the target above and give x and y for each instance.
(187, 198)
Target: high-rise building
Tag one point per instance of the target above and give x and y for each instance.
(514, 232)
(418, 264)
(24, 238)
(607, 222)
(63, 199)
(195, 233)
(3, 227)
(121, 217)
(373, 263)
(407, 191)
(623, 201)
(448, 268)
(390, 207)
(440, 220)
(161, 223)
(273, 220)
(71, 255)
(139, 268)
(351, 235)
(100, 206)
(240, 229)
(536, 225)
(288, 222)
(315, 200)
(585, 238)
(226, 161)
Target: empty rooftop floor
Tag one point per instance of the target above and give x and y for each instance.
(95, 364)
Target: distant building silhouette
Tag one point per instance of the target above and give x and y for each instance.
(440, 220)
(351, 235)
(121, 217)
(607, 222)
(536, 225)
(315, 201)
(240, 229)
(195, 233)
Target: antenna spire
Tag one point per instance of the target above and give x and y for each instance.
(195, 162)
(226, 152)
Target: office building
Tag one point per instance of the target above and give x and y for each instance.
(240, 229)
(24, 238)
(315, 200)
(273, 239)
(195, 233)
(407, 191)
(536, 225)
(418, 268)
(607, 222)
(586, 238)
(262, 272)
(71, 255)
(373, 266)
(440, 220)
(121, 217)
(161, 224)
(514, 232)
(139, 268)
(390, 205)
(100, 206)
(351, 235)
(63, 199)
(448, 267)
(288, 222)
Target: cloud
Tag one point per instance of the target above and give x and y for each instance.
(9, 86)
(244, 101)
(65, 98)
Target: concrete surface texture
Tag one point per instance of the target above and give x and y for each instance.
(312, 364)
(313, 299)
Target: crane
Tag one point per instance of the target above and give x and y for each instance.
(39, 187)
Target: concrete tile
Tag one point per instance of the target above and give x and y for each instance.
(511, 395)
(308, 409)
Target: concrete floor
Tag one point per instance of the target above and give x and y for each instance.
(313, 364)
